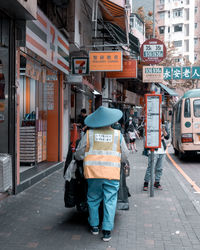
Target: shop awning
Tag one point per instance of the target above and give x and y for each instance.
(118, 36)
(168, 90)
(113, 13)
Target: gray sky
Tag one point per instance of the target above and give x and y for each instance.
(148, 5)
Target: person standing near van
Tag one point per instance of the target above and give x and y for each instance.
(102, 149)
(159, 156)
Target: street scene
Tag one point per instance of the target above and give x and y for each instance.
(99, 124)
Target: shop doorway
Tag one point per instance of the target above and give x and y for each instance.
(39, 118)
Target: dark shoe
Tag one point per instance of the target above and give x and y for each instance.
(94, 230)
(106, 235)
(145, 188)
(157, 185)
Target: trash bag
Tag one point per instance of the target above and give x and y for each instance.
(123, 192)
(75, 193)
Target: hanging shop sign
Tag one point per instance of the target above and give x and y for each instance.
(153, 121)
(129, 70)
(105, 61)
(80, 65)
(152, 73)
(45, 40)
(153, 51)
(178, 73)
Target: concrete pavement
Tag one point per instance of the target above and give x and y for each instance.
(37, 219)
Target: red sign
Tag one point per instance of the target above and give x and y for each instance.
(153, 51)
(129, 70)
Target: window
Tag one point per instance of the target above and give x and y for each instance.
(195, 57)
(195, 41)
(187, 112)
(162, 15)
(195, 25)
(168, 14)
(196, 108)
(195, 10)
(178, 43)
(178, 27)
(178, 13)
(162, 29)
(187, 1)
(178, 114)
(162, 1)
(168, 29)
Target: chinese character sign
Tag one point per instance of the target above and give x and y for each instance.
(167, 73)
(195, 72)
(178, 73)
(186, 73)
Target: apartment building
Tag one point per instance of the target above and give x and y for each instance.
(177, 23)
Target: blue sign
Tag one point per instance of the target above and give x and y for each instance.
(167, 73)
(186, 73)
(176, 73)
(195, 72)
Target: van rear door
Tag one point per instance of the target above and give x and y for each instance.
(196, 120)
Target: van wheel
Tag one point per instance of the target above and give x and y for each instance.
(175, 151)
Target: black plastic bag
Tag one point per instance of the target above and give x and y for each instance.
(123, 192)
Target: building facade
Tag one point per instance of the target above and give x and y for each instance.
(177, 24)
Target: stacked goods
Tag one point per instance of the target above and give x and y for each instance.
(28, 145)
(5, 172)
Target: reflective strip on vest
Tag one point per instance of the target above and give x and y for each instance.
(104, 161)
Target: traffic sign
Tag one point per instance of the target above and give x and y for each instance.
(153, 51)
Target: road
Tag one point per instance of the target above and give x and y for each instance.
(189, 174)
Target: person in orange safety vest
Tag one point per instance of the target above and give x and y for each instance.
(102, 150)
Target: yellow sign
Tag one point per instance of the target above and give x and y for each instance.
(105, 61)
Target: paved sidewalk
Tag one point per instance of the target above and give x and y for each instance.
(37, 219)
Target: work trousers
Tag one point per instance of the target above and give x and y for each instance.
(106, 190)
(158, 167)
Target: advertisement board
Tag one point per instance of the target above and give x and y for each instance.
(153, 121)
(152, 74)
(129, 70)
(105, 61)
(44, 39)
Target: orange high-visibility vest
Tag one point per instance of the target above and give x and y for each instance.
(103, 154)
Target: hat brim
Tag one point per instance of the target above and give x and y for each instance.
(103, 117)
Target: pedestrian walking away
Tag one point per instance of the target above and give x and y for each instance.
(159, 156)
(102, 150)
(132, 133)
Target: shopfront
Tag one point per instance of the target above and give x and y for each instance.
(43, 64)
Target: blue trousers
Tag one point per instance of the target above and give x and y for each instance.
(106, 190)
(158, 165)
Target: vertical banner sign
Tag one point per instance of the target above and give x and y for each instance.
(153, 121)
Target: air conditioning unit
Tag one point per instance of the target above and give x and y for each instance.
(5, 172)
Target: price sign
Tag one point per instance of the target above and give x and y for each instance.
(153, 51)
(153, 123)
